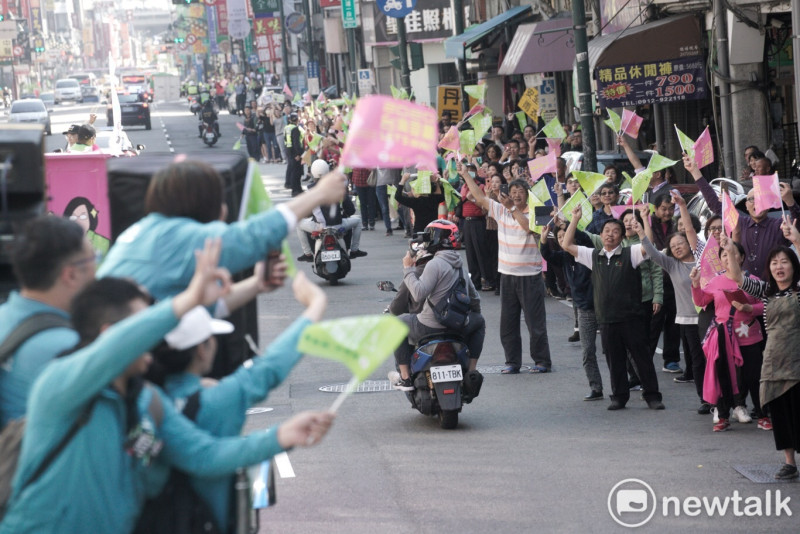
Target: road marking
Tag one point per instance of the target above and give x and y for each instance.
(284, 465)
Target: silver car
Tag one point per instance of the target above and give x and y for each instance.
(30, 110)
(68, 89)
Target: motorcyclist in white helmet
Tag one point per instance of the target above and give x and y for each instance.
(343, 215)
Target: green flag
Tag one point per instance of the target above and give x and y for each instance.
(422, 185)
(628, 182)
(687, 144)
(613, 121)
(522, 119)
(554, 130)
(361, 343)
(533, 202)
(640, 183)
(315, 141)
(578, 199)
(238, 144)
(481, 123)
(659, 162)
(468, 142)
(398, 93)
(297, 98)
(478, 92)
(590, 181)
(451, 196)
(391, 190)
(541, 192)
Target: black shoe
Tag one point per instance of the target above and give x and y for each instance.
(407, 235)
(372, 228)
(357, 254)
(615, 405)
(364, 228)
(787, 472)
(683, 379)
(655, 405)
(593, 396)
(389, 233)
(704, 409)
(576, 336)
(306, 257)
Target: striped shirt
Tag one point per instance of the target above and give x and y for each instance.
(518, 252)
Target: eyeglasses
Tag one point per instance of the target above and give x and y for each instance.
(89, 259)
(81, 217)
(715, 228)
(751, 200)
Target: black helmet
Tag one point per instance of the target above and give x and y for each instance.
(293, 117)
(442, 234)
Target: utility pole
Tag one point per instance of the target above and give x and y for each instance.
(584, 86)
(309, 31)
(284, 47)
(723, 67)
(402, 43)
(351, 45)
(461, 65)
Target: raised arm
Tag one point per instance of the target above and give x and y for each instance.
(644, 212)
(631, 155)
(708, 192)
(688, 229)
(477, 193)
(569, 236)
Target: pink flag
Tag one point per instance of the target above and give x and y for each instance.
(451, 140)
(540, 166)
(730, 217)
(616, 211)
(307, 97)
(390, 133)
(477, 108)
(287, 91)
(704, 150)
(631, 122)
(710, 264)
(767, 192)
(554, 146)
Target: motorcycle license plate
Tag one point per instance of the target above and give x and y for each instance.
(447, 373)
(331, 255)
(209, 136)
(128, 109)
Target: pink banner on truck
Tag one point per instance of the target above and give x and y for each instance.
(390, 133)
(77, 188)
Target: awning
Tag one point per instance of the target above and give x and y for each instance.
(456, 46)
(539, 47)
(669, 38)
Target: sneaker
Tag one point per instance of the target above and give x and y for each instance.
(593, 396)
(655, 405)
(357, 254)
(683, 379)
(407, 235)
(364, 228)
(714, 415)
(764, 423)
(787, 472)
(576, 336)
(635, 387)
(704, 409)
(306, 257)
(398, 383)
(741, 415)
(372, 228)
(389, 233)
(672, 367)
(722, 426)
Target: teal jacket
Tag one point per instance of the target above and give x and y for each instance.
(94, 485)
(18, 373)
(222, 407)
(158, 251)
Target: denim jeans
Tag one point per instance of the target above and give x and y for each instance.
(366, 197)
(383, 202)
(273, 150)
(587, 325)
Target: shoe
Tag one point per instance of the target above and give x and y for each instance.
(306, 257)
(487, 288)
(714, 415)
(509, 370)
(741, 415)
(635, 387)
(704, 409)
(538, 369)
(407, 235)
(722, 426)
(372, 228)
(672, 367)
(389, 233)
(764, 423)
(364, 228)
(576, 336)
(398, 383)
(683, 379)
(357, 254)
(615, 405)
(787, 472)
(593, 396)
(655, 405)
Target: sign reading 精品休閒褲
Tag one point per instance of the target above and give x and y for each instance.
(655, 82)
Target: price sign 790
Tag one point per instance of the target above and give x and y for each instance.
(675, 84)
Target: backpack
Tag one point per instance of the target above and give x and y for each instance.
(452, 311)
(11, 434)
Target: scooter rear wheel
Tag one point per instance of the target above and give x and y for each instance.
(448, 419)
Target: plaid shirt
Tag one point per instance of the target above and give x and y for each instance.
(360, 177)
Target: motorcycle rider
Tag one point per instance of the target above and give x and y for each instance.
(208, 115)
(438, 276)
(343, 215)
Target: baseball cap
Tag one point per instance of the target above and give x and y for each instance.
(73, 129)
(195, 327)
(86, 131)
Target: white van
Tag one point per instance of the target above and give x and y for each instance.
(68, 89)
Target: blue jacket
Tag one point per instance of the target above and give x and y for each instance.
(18, 373)
(579, 277)
(222, 407)
(94, 485)
(158, 251)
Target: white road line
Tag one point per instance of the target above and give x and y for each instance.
(284, 465)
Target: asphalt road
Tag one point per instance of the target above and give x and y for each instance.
(529, 455)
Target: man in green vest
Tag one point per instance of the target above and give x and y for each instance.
(617, 299)
(294, 152)
(86, 135)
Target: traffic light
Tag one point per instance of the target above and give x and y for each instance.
(179, 40)
(184, 2)
(39, 49)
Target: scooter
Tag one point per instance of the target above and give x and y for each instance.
(209, 134)
(331, 261)
(440, 374)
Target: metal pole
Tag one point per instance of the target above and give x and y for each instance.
(405, 74)
(584, 86)
(461, 64)
(284, 48)
(309, 31)
(351, 45)
(725, 105)
(796, 59)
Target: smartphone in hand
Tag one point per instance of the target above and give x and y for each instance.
(504, 189)
(273, 257)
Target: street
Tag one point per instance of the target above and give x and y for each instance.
(529, 455)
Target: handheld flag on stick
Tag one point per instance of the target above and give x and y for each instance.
(554, 130)
(287, 91)
(540, 166)
(481, 123)
(478, 92)
(422, 185)
(687, 145)
(450, 141)
(730, 217)
(613, 121)
(533, 202)
(710, 264)
(541, 192)
(701, 152)
(659, 162)
(639, 184)
(767, 192)
(631, 122)
(578, 199)
(590, 181)
(522, 119)
(400, 94)
(467, 141)
(361, 343)
(554, 145)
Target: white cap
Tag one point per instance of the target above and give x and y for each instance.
(195, 327)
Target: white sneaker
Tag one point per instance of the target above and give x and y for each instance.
(715, 415)
(741, 415)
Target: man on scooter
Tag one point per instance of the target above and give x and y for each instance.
(439, 275)
(208, 116)
(343, 215)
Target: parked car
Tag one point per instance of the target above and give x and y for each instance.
(116, 143)
(697, 204)
(90, 93)
(31, 110)
(68, 89)
(604, 159)
(134, 110)
(49, 100)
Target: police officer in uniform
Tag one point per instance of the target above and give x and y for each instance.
(294, 151)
